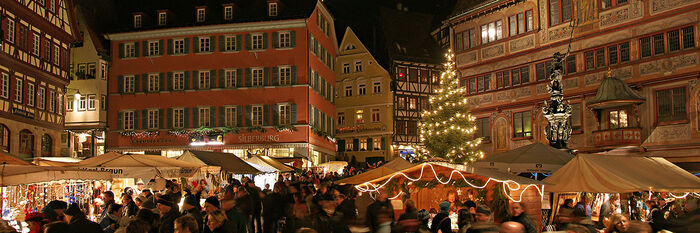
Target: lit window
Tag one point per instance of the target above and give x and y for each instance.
(375, 115)
(285, 114)
(363, 144)
(359, 115)
(103, 70)
(204, 79)
(179, 46)
(179, 81)
(257, 41)
(153, 119)
(228, 12)
(285, 75)
(272, 9)
(362, 89)
(412, 103)
(522, 124)
(231, 116)
(491, 32)
(201, 15)
(128, 119)
(483, 129)
(178, 118)
(285, 40)
(153, 83)
(377, 87)
(162, 18)
(230, 78)
(520, 23)
(137, 21)
(618, 119)
(204, 117)
(91, 102)
(256, 115)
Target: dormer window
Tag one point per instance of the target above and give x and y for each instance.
(228, 12)
(272, 9)
(137, 20)
(201, 15)
(162, 18)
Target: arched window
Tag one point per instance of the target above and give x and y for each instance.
(46, 145)
(26, 142)
(4, 138)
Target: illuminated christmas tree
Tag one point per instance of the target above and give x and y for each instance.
(448, 129)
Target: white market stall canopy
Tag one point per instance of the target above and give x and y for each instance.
(11, 174)
(225, 161)
(333, 166)
(397, 164)
(136, 166)
(536, 157)
(621, 174)
(270, 163)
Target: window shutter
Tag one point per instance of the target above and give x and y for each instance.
(195, 45)
(144, 52)
(144, 119)
(264, 40)
(195, 80)
(239, 117)
(212, 43)
(248, 115)
(222, 46)
(144, 82)
(195, 117)
(212, 79)
(383, 143)
(170, 118)
(238, 42)
(329, 91)
(276, 114)
(170, 81)
(222, 117)
(161, 121)
(161, 81)
(369, 144)
(266, 76)
(341, 145)
(170, 47)
(294, 75)
(293, 112)
(355, 144)
(120, 84)
(275, 76)
(266, 114)
(275, 40)
(137, 83)
(248, 78)
(161, 47)
(212, 117)
(121, 50)
(239, 77)
(187, 117)
(293, 38)
(221, 79)
(248, 42)
(187, 80)
(120, 120)
(187, 45)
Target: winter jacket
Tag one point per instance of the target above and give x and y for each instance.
(80, 224)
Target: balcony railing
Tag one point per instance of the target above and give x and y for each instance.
(618, 137)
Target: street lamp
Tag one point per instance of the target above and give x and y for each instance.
(77, 92)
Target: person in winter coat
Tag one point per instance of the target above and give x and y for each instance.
(373, 210)
(110, 222)
(108, 199)
(36, 221)
(191, 208)
(217, 222)
(347, 207)
(441, 221)
(186, 224)
(130, 207)
(519, 215)
(53, 211)
(78, 222)
(328, 220)
(168, 214)
(272, 209)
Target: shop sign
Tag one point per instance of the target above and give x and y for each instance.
(22, 112)
(361, 128)
(259, 138)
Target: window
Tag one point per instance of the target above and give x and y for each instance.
(4, 138)
(52, 5)
(671, 105)
(285, 75)
(103, 103)
(10, 31)
(348, 91)
(522, 126)
(103, 70)
(129, 84)
(204, 44)
(272, 9)
(412, 103)
(129, 120)
(542, 70)
(491, 32)
(26, 142)
(230, 43)
(520, 75)
(52, 101)
(377, 144)
(401, 102)
(520, 23)
(607, 4)
(69, 105)
(153, 82)
(47, 46)
(91, 102)
(363, 144)
(362, 89)
(375, 115)
(204, 77)
(467, 38)
(559, 11)
(82, 103)
(483, 129)
(36, 44)
(285, 40)
(23, 37)
(162, 18)
(348, 146)
(258, 77)
(204, 117)
(688, 37)
(341, 118)
(56, 55)
(256, 41)
(18, 90)
(129, 50)
(153, 47)
(137, 21)
(5, 86)
(179, 81)
(257, 115)
(480, 83)
(358, 66)
(153, 119)
(570, 65)
(228, 12)
(201, 15)
(676, 39)
(178, 46)
(41, 98)
(230, 78)
(575, 118)
(285, 114)
(617, 119)
(346, 68)
(377, 87)
(30, 94)
(46, 145)
(178, 118)
(359, 115)
(230, 116)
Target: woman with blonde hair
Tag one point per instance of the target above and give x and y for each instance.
(618, 224)
(218, 223)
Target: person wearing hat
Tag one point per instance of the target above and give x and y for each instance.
(110, 222)
(329, 220)
(36, 221)
(441, 221)
(211, 205)
(148, 204)
(238, 221)
(191, 208)
(53, 211)
(483, 221)
(168, 214)
(78, 222)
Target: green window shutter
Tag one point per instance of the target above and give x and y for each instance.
(212, 43)
(293, 112)
(136, 49)
(161, 120)
(120, 84)
(195, 80)
(161, 47)
(248, 115)
(187, 45)
(195, 45)
(144, 119)
(341, 145)
(170, 47)
(187, 80)
(383, 143)
(238, 42)
(369, 144)
(212, 117)
(170, 81)
(170, 118)
(264, 40)
(137, 83)
(248, 78)
(144, 51)
(329, 91)
(266, 76)
(212, 78)
(144, 82)
(161, 81)
(294, 75)
(275, 76)
(120, 120)
(121, 50)
(222, 78)
(195, 117)
(239, 117)
(275, 40)
(239, 77)
(276, 114)
(355, 144)
(222, 46)
(248, 42)
(136, 120)
(187, 117)
(266, 114)
(293, 38)
(222, 117)
(311, 114)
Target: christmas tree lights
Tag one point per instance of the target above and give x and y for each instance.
(448, 129)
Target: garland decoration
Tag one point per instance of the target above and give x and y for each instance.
(281, 128)
(256, 128)
(145, 133)
(204, 131)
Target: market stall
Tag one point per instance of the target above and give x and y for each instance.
(333, 166)
(392, 166)
(267, 163)
(217, 167)
(535, 158)
(6, 158)
(145, 167)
